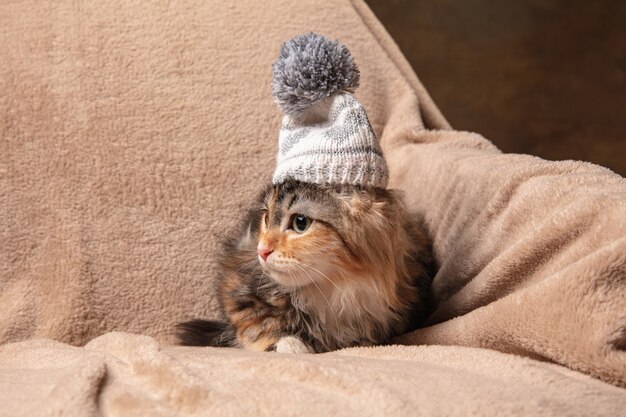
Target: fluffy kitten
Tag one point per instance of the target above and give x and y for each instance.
(318, 268)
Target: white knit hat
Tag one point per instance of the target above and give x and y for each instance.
(325, 137)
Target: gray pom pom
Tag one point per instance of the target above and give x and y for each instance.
(309, 69)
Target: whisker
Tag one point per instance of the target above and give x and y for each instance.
(247, 265)
(330, 307)
(258, 287)
(325, 276)
(264, 281)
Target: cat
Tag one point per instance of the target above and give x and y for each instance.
(318, 268)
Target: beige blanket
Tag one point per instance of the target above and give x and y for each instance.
(128, 375)
(132, 137)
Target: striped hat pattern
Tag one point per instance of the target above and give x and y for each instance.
(326, 137)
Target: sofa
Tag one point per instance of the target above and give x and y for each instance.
(135, 135)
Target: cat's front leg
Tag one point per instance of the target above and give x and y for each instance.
(292, 344)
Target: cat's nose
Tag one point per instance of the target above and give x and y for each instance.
(264, 251)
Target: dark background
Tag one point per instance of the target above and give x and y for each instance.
(543, 77)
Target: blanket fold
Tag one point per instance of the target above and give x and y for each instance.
(133, 137)
(121, 374)
(532, 253)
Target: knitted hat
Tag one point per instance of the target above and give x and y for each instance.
(325, 137)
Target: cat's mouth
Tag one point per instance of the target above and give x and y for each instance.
(288, 277)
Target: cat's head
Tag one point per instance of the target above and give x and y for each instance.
(320, 234)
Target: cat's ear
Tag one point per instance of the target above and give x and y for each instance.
(356, 205)
(245, 238)
(250, 235)
(371, 226)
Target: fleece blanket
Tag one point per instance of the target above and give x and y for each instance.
(129, 375)
(133, 135)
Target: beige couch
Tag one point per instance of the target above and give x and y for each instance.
(133, 136)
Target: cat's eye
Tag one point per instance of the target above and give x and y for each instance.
(300, 223)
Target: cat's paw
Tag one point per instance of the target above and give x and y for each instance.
(292, 344)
